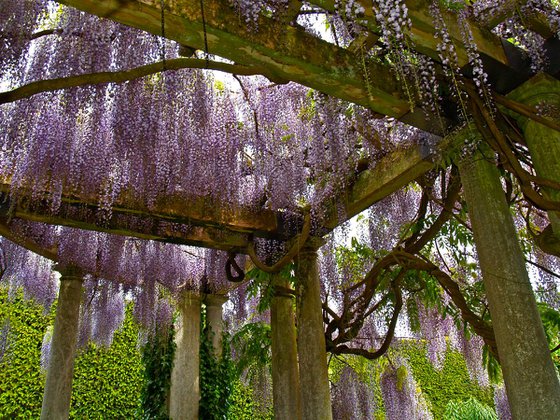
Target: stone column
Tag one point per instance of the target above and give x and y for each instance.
(314, 381)
(58, 386)
(215, 321)
(285, 373)
(185, 389)
(530, 377)
(543, 142)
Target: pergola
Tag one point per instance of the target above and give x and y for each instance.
(283, 51)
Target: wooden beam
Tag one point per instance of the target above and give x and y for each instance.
(422, 32)
(279, 51)
(179, 221)
(391, 173)
(173, 209)
(76, 215)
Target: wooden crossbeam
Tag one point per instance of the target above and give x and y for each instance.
(284, 52)
(178, 221)
(76, 215)
(422, 32)
(391, 173)
(279, 51)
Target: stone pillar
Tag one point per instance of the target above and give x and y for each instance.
(314, 381)
(543, 142)
(214, 321)
(58, 386)
(530, 377)
(285, 373)
(185, 389)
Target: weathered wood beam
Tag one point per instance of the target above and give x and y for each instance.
(422, 33)
(172, 209)
(279, 51)
(192, 222)
(76, 215)
(391, 173)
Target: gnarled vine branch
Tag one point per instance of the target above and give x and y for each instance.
(297, 244)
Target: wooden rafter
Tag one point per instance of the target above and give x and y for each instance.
(174, 220)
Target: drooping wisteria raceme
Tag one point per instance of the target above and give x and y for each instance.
(351, 397)
(186, 137)
(501, 403)
(401, 397)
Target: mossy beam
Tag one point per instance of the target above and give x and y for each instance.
(422, 31)
(543, 142)
(280, 51)
(173, 209)
(58, 386)
(83, 218)
(213, 226)
(389, 174)
(530, 376)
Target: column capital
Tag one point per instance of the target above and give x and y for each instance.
(312, 245)
(190, 295)
(215, 300)
(69, 271)
(541, 89)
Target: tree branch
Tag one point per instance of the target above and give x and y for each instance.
(50, 85)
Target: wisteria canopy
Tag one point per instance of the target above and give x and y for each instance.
(165, 147)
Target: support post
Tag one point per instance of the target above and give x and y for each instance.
(215, 321)
(58, 385)
(543, 142)
(530, 376)
(314, 380)
(285, 373)
(185, 389)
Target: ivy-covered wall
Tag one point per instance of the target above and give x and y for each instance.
(21, 380)
(451, 383)
(107, 381)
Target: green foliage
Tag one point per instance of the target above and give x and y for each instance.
(452, 382)
(551, 323)
(253, 344)
(107, 380)
(492, 366)
(261, 285)
(242, 404)
(217, 377)
(157, 357)
(470, 409)
(21, 380)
